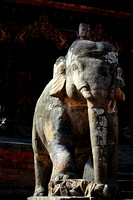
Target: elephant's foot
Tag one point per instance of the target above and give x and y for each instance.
(39, 192)
(68, 187)
(62, 185)
(102, 191)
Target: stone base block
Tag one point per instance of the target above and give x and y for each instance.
(61, 198)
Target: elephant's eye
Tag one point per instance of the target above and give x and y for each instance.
(75, 67)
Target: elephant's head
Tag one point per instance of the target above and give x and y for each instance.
(88, 72)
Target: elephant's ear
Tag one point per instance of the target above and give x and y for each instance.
(58, 87)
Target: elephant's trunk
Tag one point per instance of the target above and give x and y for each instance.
(103, 124)
(98, 135)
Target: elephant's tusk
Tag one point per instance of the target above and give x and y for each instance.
(86, 93)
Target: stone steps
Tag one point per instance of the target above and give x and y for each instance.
(125, 176)
(125, 171)
(126, 187)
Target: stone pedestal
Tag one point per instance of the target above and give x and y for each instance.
(62, 198)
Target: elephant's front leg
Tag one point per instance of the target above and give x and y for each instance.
(61, 146)
(63, 161)
(64, 167)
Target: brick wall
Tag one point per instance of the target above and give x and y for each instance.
(16, 170)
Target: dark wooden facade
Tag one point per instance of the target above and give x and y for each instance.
(33, 34)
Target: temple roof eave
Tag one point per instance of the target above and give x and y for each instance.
(75, 7)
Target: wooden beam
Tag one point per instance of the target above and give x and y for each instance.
(74, 7)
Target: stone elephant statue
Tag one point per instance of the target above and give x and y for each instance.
(76, 116)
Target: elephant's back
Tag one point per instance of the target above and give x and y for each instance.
(44, 97)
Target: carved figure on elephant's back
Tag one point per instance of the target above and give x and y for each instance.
(75, 116)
